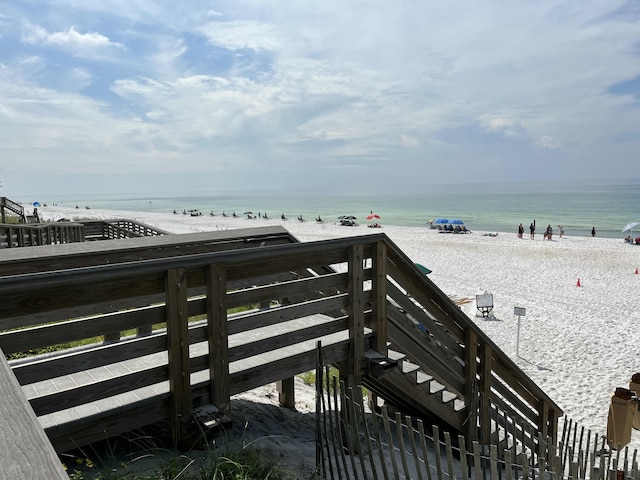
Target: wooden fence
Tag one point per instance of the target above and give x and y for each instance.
(356, 442)
(157, 314)
(30, 235)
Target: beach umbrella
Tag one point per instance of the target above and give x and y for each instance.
(373, 216)
(441, 221)
(456, 221)
(630, 226)
(36, 204)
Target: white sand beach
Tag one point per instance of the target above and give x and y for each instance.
(577, 342)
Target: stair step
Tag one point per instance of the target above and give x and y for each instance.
(422, 377)
(458, 405)
(448, 396)
(435, 387)
(408, 367)
(395, 355)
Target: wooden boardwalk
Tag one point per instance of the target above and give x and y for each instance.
(164, 305)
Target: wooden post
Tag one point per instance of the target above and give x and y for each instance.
(218, 337)
(484, 386)
(178, 346)
(471, 384)
(355, 309)
(379, 297)
(25, 450)
(543, 423)
(286, 392)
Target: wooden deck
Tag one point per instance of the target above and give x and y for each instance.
(149, 298)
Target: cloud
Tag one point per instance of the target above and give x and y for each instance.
(548, 142)
(227, 86)
(70, 40)
(504, 125)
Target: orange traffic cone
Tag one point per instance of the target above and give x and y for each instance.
(578, 284)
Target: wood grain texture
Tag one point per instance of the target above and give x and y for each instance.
(25, 451)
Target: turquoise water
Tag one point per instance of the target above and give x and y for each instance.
(578, 207)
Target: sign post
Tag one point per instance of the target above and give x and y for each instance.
(519, 312)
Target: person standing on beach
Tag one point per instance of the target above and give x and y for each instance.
(520, 231)
(593, 232)
(532, 230)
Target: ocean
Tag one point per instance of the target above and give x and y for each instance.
(578, 207)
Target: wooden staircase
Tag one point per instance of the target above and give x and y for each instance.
(6, 204)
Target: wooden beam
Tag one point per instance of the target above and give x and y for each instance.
(178, 345)
(355, 308)
(286, 392)
(379, 297)
(471, 383)
(218, 336)
(25, 450)
(484, 386)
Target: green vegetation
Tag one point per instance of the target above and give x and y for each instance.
(241, 462)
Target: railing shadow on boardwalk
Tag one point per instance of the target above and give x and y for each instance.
(169, 341)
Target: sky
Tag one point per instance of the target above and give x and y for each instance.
(336, 96)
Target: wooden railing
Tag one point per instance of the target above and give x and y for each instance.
(25, 451)
(30, 235)
(151, 306)
(119, 228)
(14, 207)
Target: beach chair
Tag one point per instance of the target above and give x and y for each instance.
(484, 303)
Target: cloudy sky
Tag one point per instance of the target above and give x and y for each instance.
(164, 96)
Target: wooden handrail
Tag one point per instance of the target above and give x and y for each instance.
(133, 293)
(25, 450)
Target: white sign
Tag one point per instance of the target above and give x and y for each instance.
(485, 300)
(519, 311)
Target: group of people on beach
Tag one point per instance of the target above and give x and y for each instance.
(548, 232)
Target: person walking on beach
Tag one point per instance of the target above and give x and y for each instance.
(520, 231)
(593, 232)
(549, 232)
(532, 231)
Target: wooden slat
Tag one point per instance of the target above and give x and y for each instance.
(40, 368)
(218, 337)
(379, 297)
(25, 450)
(304, 286)
(178, 344)
(73, 330)
(80, 395)
(355, 309)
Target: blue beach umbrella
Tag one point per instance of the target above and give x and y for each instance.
(456, 221)
(36, 204)
(441, 221)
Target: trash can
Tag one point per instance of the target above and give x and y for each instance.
(622, 412)
(634, 386)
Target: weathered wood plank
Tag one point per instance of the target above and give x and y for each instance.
(273, 316)
(355, 309)
(42, 367)
(379, 297)
(218, 336)
(178, 344)
(25, 450)
(46, 404)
